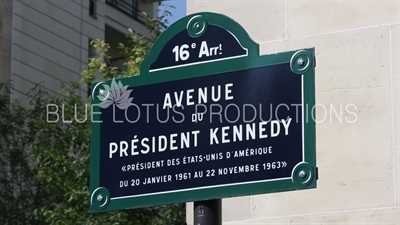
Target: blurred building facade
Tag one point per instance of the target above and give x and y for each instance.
(48, 40)
(357, 51)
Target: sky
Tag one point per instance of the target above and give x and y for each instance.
(178, 12)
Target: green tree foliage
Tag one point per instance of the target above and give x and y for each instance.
(134, 51)
(44, 159)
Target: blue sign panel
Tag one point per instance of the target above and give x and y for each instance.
(209, 131)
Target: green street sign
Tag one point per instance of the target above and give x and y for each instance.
(208, 117)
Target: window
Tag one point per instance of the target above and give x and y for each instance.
(92, 53)
(129, 7)
(92, 8)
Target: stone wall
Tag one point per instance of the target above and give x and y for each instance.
(357, 50)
